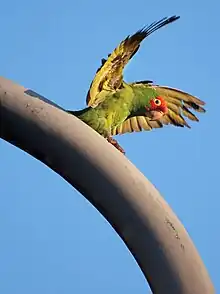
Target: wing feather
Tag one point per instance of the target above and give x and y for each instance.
(110, 74)
(136, 124)
(178, 103)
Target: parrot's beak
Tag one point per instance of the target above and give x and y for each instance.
(155, 114)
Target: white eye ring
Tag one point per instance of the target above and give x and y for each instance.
(157, 102)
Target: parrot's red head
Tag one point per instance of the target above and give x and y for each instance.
(156, 108)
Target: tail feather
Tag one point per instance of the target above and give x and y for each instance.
(77, 113)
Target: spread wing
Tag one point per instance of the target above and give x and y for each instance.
(110, 74)
(179, 105)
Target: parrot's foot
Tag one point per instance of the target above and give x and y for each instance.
(115, 144)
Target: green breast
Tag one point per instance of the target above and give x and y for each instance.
(110, 113)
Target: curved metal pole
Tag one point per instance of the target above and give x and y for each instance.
(120, 192)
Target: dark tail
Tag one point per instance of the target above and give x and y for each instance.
(78, 113)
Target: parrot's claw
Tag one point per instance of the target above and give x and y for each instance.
(115, 144)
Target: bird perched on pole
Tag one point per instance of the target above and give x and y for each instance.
(116, 107)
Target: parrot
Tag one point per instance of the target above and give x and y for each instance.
(116, 107)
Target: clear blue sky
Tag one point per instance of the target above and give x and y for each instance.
(51, 239)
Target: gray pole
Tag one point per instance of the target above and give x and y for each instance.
(121, 193)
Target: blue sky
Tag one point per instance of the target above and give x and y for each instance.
(51, 239)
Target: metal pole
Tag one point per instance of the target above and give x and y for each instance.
(121, 193)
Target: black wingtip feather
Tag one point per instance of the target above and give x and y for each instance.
(196, 107)
(149, 29)
(175, 123)
(154, 26)
(144, 82)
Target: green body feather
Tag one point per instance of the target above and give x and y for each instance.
(116, 108)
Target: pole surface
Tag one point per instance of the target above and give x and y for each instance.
(121, 193)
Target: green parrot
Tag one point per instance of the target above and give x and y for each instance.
(116, 107)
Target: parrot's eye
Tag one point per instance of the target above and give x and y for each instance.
(157, 102)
